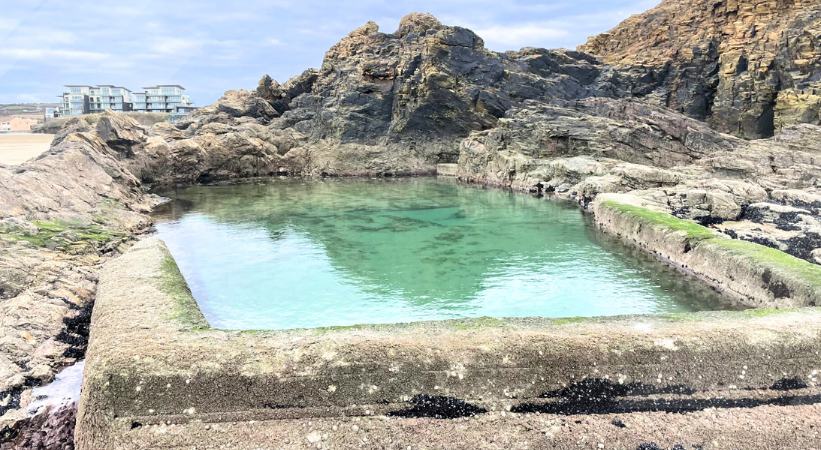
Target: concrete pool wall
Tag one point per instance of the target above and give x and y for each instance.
(153, 362)
(748, 273)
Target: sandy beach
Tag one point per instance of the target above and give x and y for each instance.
(16, 148)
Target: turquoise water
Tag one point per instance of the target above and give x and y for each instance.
(295, 254)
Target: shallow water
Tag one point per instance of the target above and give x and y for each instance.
(296, 253)
(64, 390)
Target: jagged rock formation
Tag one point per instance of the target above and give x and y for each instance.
(387, 103)
(749, 67)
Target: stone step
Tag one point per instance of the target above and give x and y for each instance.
(446, 170)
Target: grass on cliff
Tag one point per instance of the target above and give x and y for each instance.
(186, 309)
(63, 235)
(759, 254)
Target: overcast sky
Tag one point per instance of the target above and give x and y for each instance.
(212, 46)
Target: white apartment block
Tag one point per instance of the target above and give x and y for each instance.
(85, 99)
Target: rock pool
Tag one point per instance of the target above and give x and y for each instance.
(304, 253)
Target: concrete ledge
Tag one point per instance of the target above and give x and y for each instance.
(153, 360)
(447, 170)
(786, 427)
(749, 273)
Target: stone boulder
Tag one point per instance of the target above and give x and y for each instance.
(245, 104)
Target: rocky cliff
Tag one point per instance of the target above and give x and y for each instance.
(748, 67)
(61, 216)
(395, 103)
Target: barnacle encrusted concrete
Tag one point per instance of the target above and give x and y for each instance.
(153, 363)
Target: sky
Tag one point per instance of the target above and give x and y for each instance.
(211, 46)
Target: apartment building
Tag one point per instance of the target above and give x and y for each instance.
(164, 98)
(86, 99)
(75, 100)
(108, 97)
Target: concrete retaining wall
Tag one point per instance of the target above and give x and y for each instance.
(447, 170)
(750, 274)
(152, 360)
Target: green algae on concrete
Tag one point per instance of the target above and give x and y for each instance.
(756, 275)
(571, 320)
(765, 312)
(693, 230)
(760, 254)
(773, 258)
(476, 323)
(185, 308)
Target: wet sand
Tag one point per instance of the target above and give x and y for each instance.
(16, 148)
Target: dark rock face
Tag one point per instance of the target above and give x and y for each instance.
(53, 429)
(748, 67)
(427, 84)
(381, 103)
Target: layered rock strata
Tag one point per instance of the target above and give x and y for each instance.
(749, 67)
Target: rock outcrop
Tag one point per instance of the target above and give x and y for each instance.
(61, 216)
(763, 191)
(749, 67)
(395, 103)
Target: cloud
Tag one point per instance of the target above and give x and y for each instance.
(171, 46)
(45, 54)
(49, 37)
(274, 42)
(7, 25)
(514, 36)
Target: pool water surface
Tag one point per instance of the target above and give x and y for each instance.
(305, 253)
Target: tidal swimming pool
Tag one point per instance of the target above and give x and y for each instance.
(296, 253)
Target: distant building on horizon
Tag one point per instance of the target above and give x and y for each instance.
(81, 99)
(19, 123)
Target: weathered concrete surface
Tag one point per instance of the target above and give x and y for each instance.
(786, 427)
(152, 360)
(752, 274)
(446, 169)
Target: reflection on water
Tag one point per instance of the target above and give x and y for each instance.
(296, 253)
